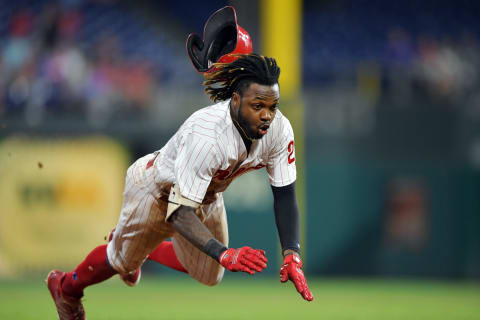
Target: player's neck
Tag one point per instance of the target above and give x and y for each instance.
(246, 140)
(248, 144)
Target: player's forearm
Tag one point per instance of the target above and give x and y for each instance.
(287, 217)
(186, 222)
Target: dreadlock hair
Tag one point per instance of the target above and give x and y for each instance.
(227, 78)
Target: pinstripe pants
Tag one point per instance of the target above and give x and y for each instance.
(142, 227)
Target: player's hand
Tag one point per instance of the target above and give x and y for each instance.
(243, 259)
(292, 270)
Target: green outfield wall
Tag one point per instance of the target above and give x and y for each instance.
(398, 196)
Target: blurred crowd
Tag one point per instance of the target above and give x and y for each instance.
(446, 68)
(50, 67)
(394, 48)
(46, 70)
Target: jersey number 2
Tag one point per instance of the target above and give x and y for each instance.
(291, 149)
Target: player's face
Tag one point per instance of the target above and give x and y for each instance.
(257, 107)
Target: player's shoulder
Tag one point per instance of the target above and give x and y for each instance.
(210, 121)
(213, 116)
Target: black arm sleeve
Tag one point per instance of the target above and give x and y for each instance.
(287, 216)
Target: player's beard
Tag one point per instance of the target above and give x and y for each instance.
(246, 125)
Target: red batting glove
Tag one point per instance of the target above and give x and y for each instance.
(243, 259)
(292, 270)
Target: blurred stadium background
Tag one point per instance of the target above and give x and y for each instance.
(385, 101)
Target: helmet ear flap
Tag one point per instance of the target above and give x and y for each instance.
(194, 47)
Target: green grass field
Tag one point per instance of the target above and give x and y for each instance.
(243, 297)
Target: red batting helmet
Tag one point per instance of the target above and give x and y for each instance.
(222, 36)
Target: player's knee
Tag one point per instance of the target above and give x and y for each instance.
(213, 281)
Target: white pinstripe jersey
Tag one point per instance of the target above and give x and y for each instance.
(207, 153)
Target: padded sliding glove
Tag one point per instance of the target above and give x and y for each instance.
(292, 270)
(243, 259)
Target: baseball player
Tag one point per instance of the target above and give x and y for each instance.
(176, 192)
